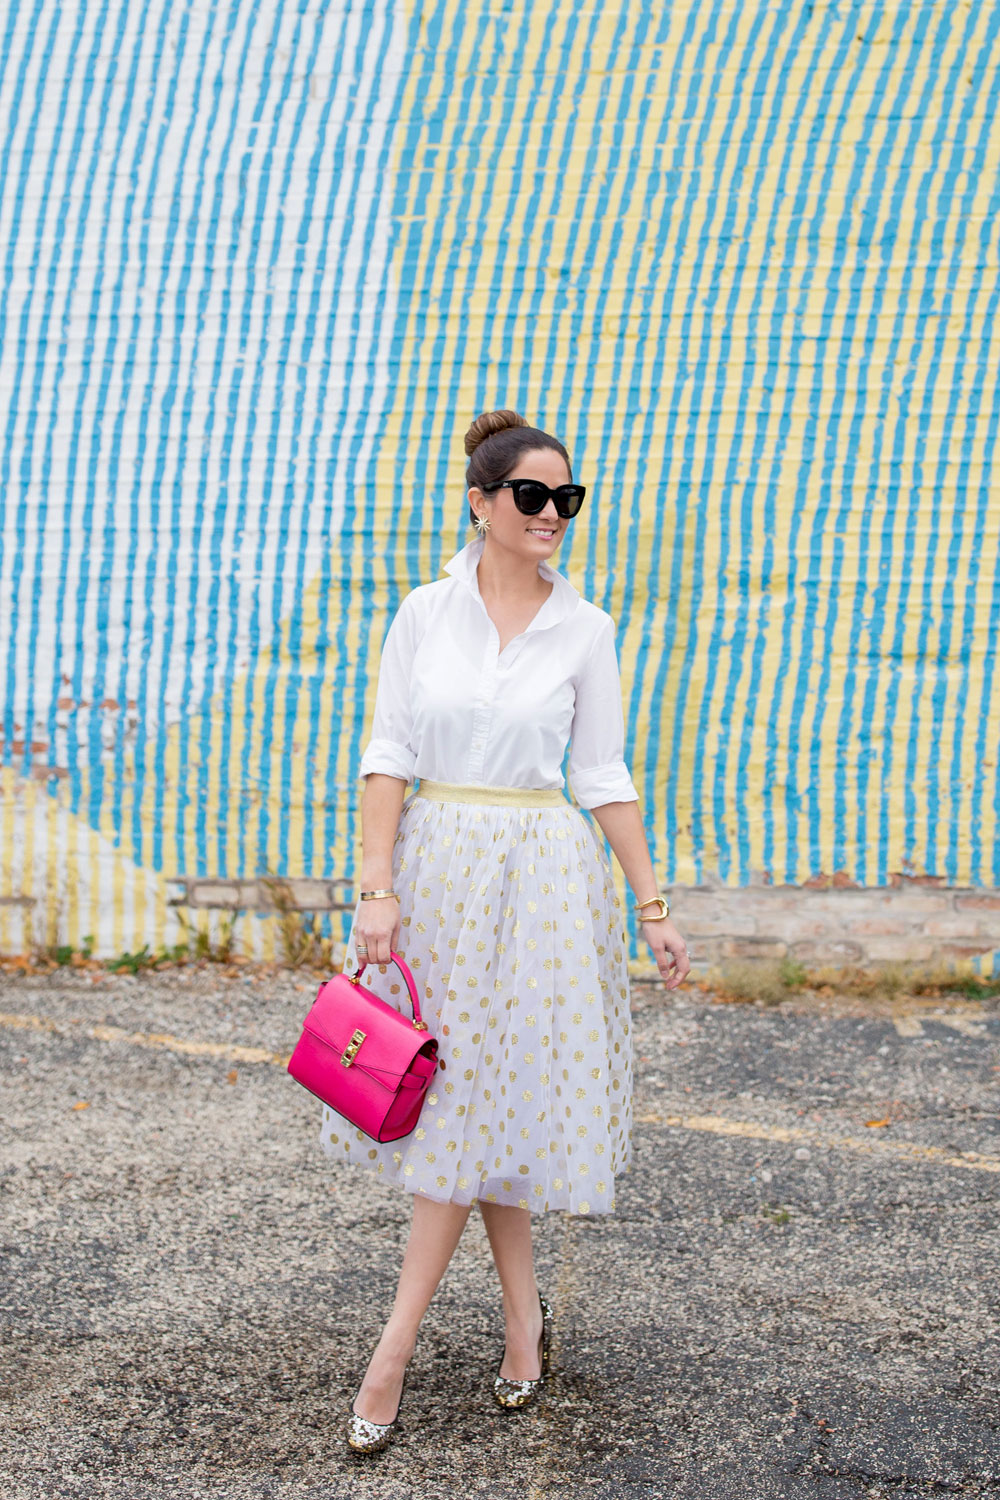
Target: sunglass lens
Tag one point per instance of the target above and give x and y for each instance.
(531, 497)
(569, 498)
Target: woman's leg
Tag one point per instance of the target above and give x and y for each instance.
(509, 1231)
(434, 1234)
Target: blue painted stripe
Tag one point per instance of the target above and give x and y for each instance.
(792, 275)
(8, 157)
(350, 682)
(605, 477)
(425, 45)
(982, 718)
(898, 399)
(108, 418)
(939, 599)
(93, 434)
(731, 796)
(766, 301)
(234, 800)
(587, 216)
(587, 224)
(283, 607)
(258, 300)
(611, 457)
(889, 250)
(162, 560)
(261, 744)
(515, 210)
(222, 405)
(211, 518)
(680, 564)
(796, 631)
(412, 187)
(36, 463)
(759, 62)
(328, 285)
(789, 276)
(478, 101)
(172, 448)
(155, 421)
(84, 231)
(174, 434)
(22, 341)
(654, 488)
(338, 296)
(714, 663)
(240, 461)
(7, 57)
(86, 510)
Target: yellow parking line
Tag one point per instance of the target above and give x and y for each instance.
(161, 1040)
(703, 1124)
(790, 1134)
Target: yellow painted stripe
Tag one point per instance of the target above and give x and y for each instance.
(158, 1040)
(722, 1125)
(784, 1135)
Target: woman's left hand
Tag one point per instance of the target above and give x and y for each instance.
(669, 950)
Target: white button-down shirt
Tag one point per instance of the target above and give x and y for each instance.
(451, 706)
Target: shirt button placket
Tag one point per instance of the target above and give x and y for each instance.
(482, 709)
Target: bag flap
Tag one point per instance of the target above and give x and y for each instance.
(391, 1040)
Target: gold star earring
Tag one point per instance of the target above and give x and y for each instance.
(482, 524)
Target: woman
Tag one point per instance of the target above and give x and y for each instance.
(495, 890)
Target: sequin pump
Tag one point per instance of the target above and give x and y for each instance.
(512, 1395)
(365, 1436)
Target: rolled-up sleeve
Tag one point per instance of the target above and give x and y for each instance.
(597, 769)
(389, 750)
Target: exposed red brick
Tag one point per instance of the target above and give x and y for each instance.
(831, 951)
(957, 948)
(904, 949)
(750, 947)
(950, 925)
(984, 901)
(883, 926)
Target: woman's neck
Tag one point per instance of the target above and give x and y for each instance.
(502, 575)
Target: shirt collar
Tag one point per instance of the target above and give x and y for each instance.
(561, 603)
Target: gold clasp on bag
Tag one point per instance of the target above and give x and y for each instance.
(350, 1052)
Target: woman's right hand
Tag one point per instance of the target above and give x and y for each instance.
(377, 928)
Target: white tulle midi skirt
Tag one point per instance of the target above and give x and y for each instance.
(513, 929)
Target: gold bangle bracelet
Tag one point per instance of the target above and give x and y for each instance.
(372, 895)
(663, 904)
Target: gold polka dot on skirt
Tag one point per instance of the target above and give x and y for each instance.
(513, 929)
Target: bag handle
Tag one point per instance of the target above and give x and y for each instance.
(419, 1023)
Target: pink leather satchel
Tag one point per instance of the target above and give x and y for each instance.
(365, 1060)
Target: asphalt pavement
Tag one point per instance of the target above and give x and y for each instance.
(797, 1298)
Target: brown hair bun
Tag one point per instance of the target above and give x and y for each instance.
(488, 424)
(491, 462)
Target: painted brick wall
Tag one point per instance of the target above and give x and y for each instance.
(263, 263)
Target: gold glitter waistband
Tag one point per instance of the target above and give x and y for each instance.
(508, 796)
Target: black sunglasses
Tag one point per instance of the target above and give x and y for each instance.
(531, 496)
